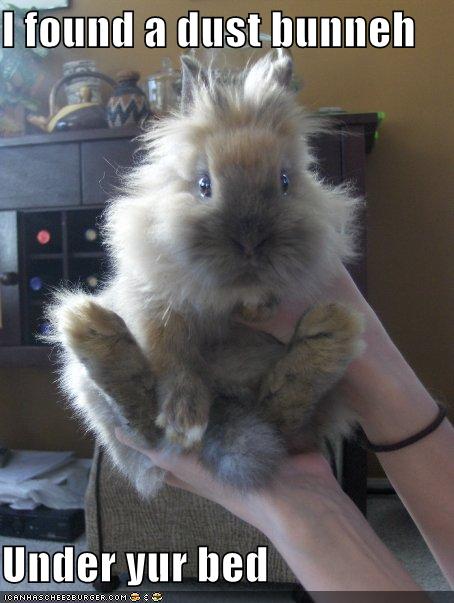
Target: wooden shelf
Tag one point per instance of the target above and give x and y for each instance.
(79, 135)
(45, 256)
(84, 255)
(368, 120)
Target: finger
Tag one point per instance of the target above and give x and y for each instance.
(282, 324)
(127, 441)
(207, 488)
(175, 482)
(181, 465)
(161, 459)
(185, 467)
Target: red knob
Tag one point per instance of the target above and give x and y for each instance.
(43, 237)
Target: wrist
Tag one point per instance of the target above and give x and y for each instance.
(324, 536)
(293, 512)
(390, 401)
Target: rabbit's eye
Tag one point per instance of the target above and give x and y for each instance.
(285, 181)
(205, 186)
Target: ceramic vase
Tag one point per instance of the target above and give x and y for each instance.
(128, 104)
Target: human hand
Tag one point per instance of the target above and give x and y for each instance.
(379, 386)
(340, 289)
(298, 490)
(317, 529)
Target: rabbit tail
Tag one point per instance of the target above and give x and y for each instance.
(240, 448)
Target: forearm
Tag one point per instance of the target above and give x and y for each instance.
(331, 547)
(423, 476)
(304, 512)
(392, 405)
(381, 386)
(422, 473)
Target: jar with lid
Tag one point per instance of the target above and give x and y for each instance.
(164, 88)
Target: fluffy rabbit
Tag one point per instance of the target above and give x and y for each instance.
(222, 218)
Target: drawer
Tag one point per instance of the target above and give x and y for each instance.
(103, 164)
(40, 176)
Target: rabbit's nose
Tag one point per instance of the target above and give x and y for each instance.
(247, 247)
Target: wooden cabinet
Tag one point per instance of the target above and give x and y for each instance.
(65, 178)
(102, 164)
(63, 169)
(55, 180)
(39, 175)
(61, 174)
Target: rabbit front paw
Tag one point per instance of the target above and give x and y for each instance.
(326, 340)
(332, 328)
(89, 330)
(184, 410)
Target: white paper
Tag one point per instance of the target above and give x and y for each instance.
(28, 464)
(61, 488)
(54, 479)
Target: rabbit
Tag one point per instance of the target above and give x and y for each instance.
(222, 219)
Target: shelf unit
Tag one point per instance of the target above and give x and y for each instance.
(64, 178)
(70, 254)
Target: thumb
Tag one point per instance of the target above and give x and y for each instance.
(282, 324)
(181, 465)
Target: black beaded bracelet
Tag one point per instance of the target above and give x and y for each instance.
(365, 443)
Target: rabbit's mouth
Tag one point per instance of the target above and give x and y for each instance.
(247, 278)
(248, 248)
(259, 270)
(251, 264)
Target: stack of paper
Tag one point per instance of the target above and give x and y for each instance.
(54, 479)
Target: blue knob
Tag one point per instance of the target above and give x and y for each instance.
(44, 328)
(36, 284)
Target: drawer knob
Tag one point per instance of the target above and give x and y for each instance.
(9, 278)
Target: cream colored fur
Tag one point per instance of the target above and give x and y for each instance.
(176, 369)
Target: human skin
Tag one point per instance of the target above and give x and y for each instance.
(392, 404)
(317, 529)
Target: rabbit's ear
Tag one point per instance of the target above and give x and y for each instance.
(282, 66)
(276, 66)
(192, 76)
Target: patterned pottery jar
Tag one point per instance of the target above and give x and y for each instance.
(128, 104)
